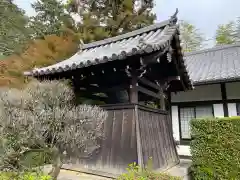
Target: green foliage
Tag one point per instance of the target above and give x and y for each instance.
(106, 18)
(215, 148)
(2, 57)
(51, 18)
(224, 34)
(40, 52)
(13, 28)
(23, 176)
(228, 33)
(36, 159)
(135, 173)
(191, 38)
(236, 33)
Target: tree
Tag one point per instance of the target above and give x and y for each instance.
(106, 18)
(225, 34)
(13, 28)
(38, 53)
(236, 33)
(191, 38)
(102, 19)
(42, 118)
(51, 18)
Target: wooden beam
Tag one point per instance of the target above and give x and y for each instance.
(149, 83)
(96, 89)
(172, 78)
(169, 79)
(154, 57)
(148, 59)
(95, 97)
(148, 92)
(175, 59)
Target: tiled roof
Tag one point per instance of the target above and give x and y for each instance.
(145, 40)
(219, 64)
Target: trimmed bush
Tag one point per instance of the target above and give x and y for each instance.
(215, 148)
(23, 176)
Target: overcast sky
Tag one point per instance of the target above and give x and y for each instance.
(206, 15)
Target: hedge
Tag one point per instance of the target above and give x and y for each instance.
(215, 148)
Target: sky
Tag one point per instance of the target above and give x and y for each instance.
(206, 15)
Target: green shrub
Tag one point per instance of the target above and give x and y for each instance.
(23, 176)
(35, 159)
(134, 173)
(215, 148)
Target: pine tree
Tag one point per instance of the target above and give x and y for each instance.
(191, 38)
(107, 18)
(225, 34)
(101, 19)
(236, 31)
(51, 18)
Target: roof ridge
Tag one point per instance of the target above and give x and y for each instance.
(126, 35)
(171, 20)
(216, 48)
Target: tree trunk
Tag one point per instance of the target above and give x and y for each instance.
(56, 167)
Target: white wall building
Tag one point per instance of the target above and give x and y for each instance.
(216, 76)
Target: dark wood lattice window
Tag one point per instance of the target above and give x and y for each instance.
(238, 109)
(189, 113)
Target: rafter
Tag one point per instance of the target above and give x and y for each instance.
(149, 83)
(148, 92)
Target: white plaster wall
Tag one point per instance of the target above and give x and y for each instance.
(175, 123)
(218, 110)
(233, 90)
(183, 150)
(200, 93)
(232, 110)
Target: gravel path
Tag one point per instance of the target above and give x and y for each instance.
(72, 175)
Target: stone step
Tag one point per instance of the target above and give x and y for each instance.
(182, 169)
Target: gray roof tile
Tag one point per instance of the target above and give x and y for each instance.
(217, 64)
(145, 40)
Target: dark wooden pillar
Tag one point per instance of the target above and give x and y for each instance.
(133, 92)
(162, 99)
(224, 99)
(133, 98)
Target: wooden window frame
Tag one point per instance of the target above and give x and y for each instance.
(186, 141)
(237, 104)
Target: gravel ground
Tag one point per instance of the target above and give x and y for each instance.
(72, 175)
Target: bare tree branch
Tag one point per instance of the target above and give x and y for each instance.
(42, 117)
